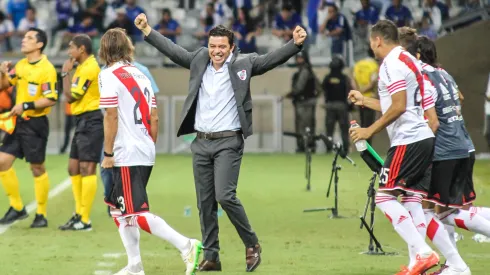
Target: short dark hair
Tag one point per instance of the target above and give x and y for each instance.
(40, 37)
(287, 7)
(387, 30)
(83, 40)
(370, 53)
(167, 11)
(408, 39)
(427, 50)
(221, 30)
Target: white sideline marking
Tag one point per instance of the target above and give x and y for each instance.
(113, 255)
(105, 264)
(102, 272)
(31, 207)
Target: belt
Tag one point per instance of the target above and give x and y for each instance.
(218, 135)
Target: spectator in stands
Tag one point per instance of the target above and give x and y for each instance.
(168, 26)
(336, 28)
(223, 14)
(436, 12)
(65, 13)
(29, 21)
(133, 10)
(85, 27)
(16, 9)
(285, 22)
(6, 31)
(367, 15)
(399, 14)
(122, 21)
(209, 22)
(426, 28)
(245, 32)
(96, 8)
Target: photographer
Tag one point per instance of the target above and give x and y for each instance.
(304, 93)
(337, 86)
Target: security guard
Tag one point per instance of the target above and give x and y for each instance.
(82, 92)
(304, 94)
(36, 84)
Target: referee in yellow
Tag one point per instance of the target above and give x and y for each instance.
(82, 92)
(35, 80)
(366, 78)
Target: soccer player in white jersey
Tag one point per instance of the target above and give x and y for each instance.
(131, 129)
(407, 168)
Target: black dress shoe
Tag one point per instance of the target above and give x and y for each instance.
(13, 215)
(205, 266)
(253, 258)
(39, 222)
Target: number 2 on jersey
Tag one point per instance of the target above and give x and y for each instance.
(136, 93)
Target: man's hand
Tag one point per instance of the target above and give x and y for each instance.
(299, 35)
(141, 22)
(68, 65)
(17, 110)
(357, 134)
(356, 97)
(4, 67)
(107, 162)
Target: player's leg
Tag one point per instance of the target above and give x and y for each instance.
(134, 181)
(406, 169)
(413, 203)
(76, 184)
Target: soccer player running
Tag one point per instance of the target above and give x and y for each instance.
(35, 80)
(130, 134)
(451, 159)
(82, 92)
(407, 168)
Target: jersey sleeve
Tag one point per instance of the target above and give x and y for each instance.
(429, 95)
(12, 75)
(153, 102)
(49, 85)
(108, 91)
(81, 83)
(394, 77)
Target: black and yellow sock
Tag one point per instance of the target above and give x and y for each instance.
(76, 184)
(89, 188)
(10, 183)
(41, 188)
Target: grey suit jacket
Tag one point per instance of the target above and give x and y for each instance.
(242, 68)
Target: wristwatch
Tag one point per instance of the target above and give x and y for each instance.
(63, 74)
(108, 155)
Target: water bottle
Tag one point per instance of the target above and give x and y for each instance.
(361, 145)
(187, 211)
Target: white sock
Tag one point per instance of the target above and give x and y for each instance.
(402, 222)
(130, 236)
(158, 227)
(452, 233)
(413, 204)
(440, 238)
(482, 211)
(467, 220)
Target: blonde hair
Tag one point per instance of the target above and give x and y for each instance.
(115, 46)
(407, 36)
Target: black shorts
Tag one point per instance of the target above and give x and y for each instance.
(128, 192)
(89, 137)
(448, 182)
(29, 140)
(469, 194)
(408, 168)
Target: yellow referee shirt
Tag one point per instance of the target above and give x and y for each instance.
(34, 81)
(85, 87)
(366, 71)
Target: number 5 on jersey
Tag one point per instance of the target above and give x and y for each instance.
(383, 175)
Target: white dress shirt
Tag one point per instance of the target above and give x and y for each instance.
(216, 105)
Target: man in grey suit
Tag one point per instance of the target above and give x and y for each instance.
(219, 108)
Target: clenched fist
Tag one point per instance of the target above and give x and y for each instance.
(299, 35)
(141, 22)
(356, 97)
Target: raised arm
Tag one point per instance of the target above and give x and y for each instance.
(176, 53)
(267, 62)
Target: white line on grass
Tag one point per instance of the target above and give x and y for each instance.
(102, 272)
(105, 264)
(31, 207)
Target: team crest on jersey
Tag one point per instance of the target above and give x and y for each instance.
(242, 74)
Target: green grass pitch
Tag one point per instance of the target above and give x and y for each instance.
(272, 189)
